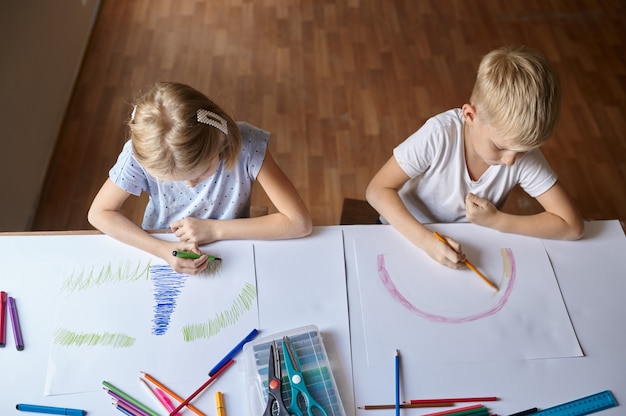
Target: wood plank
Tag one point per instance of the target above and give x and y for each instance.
(339, 83)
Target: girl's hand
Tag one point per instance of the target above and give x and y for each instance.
(185, 265)
(193, 230)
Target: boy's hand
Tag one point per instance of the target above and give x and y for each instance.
(450, 254)
(480, 211)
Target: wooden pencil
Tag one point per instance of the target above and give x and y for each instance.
(467, 262)
(405, 405)
(170, 392)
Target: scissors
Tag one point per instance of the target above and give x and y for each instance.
(275, 405)
(298, 387)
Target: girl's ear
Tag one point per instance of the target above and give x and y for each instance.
(469, 113)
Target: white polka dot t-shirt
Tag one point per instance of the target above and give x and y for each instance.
(224, 195)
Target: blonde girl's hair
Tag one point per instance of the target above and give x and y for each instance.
(175, 129)
(518, 92)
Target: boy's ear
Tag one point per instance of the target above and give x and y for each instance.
(469, 113)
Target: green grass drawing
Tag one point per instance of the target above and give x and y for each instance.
(67, 338)
(87, 278)
(242, 303)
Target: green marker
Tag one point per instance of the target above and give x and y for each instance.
(192, 255)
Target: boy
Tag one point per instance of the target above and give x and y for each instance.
(462, 164)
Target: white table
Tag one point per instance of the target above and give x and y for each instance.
(593, 286)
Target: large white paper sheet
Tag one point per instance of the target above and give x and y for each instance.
(122, 311)
(435, 314)
(303, 282)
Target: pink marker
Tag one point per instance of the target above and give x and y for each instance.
(165, 400)
(3, 318)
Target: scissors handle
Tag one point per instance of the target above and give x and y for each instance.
(296, 379)
(299, 389)
(275, 405)
(311, 403)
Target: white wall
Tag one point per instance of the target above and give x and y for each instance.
(41, 48)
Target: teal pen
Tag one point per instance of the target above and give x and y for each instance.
(49, 410)
(192, 255)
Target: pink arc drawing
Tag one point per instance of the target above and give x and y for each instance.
(509, 274)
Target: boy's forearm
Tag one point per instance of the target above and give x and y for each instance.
(543, 225)
(390, 206)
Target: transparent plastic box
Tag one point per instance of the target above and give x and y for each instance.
(316, 371)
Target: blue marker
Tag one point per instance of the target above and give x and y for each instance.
(234, 351)
(49, 410)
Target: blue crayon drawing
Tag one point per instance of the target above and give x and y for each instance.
(167, 287)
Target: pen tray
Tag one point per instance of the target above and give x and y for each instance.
(316, 371)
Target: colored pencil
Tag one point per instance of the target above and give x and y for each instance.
(118, 400)
(129, 398)
(397, 361)
(474, 410)
(455, 400)
(170, 392)
(151, 392)
(202, 387)
(526, 412)
(127, 408)
(159, 397)
(405, 406)
(122, 409)
(467, 263)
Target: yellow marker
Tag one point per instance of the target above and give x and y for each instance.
(219, 402)
(467, 262)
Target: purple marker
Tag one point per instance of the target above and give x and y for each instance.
(15, 321)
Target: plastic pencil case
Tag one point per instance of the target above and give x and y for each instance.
(316, 371)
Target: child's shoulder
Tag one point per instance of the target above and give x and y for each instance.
(452, 117)
(443, 125)
(247, 129)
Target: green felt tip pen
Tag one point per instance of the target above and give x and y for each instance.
(192, 255)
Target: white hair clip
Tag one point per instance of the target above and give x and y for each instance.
(132, 115)
(212, 119)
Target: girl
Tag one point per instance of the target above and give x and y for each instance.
(198, 167)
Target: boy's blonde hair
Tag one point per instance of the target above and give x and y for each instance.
(167, 137)
(518, 92)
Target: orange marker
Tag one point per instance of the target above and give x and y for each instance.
(467, 262)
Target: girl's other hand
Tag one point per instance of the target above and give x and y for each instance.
(193, 230)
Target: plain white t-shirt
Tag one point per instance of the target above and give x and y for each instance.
(434, 158)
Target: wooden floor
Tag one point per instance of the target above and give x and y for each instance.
(339, 83)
